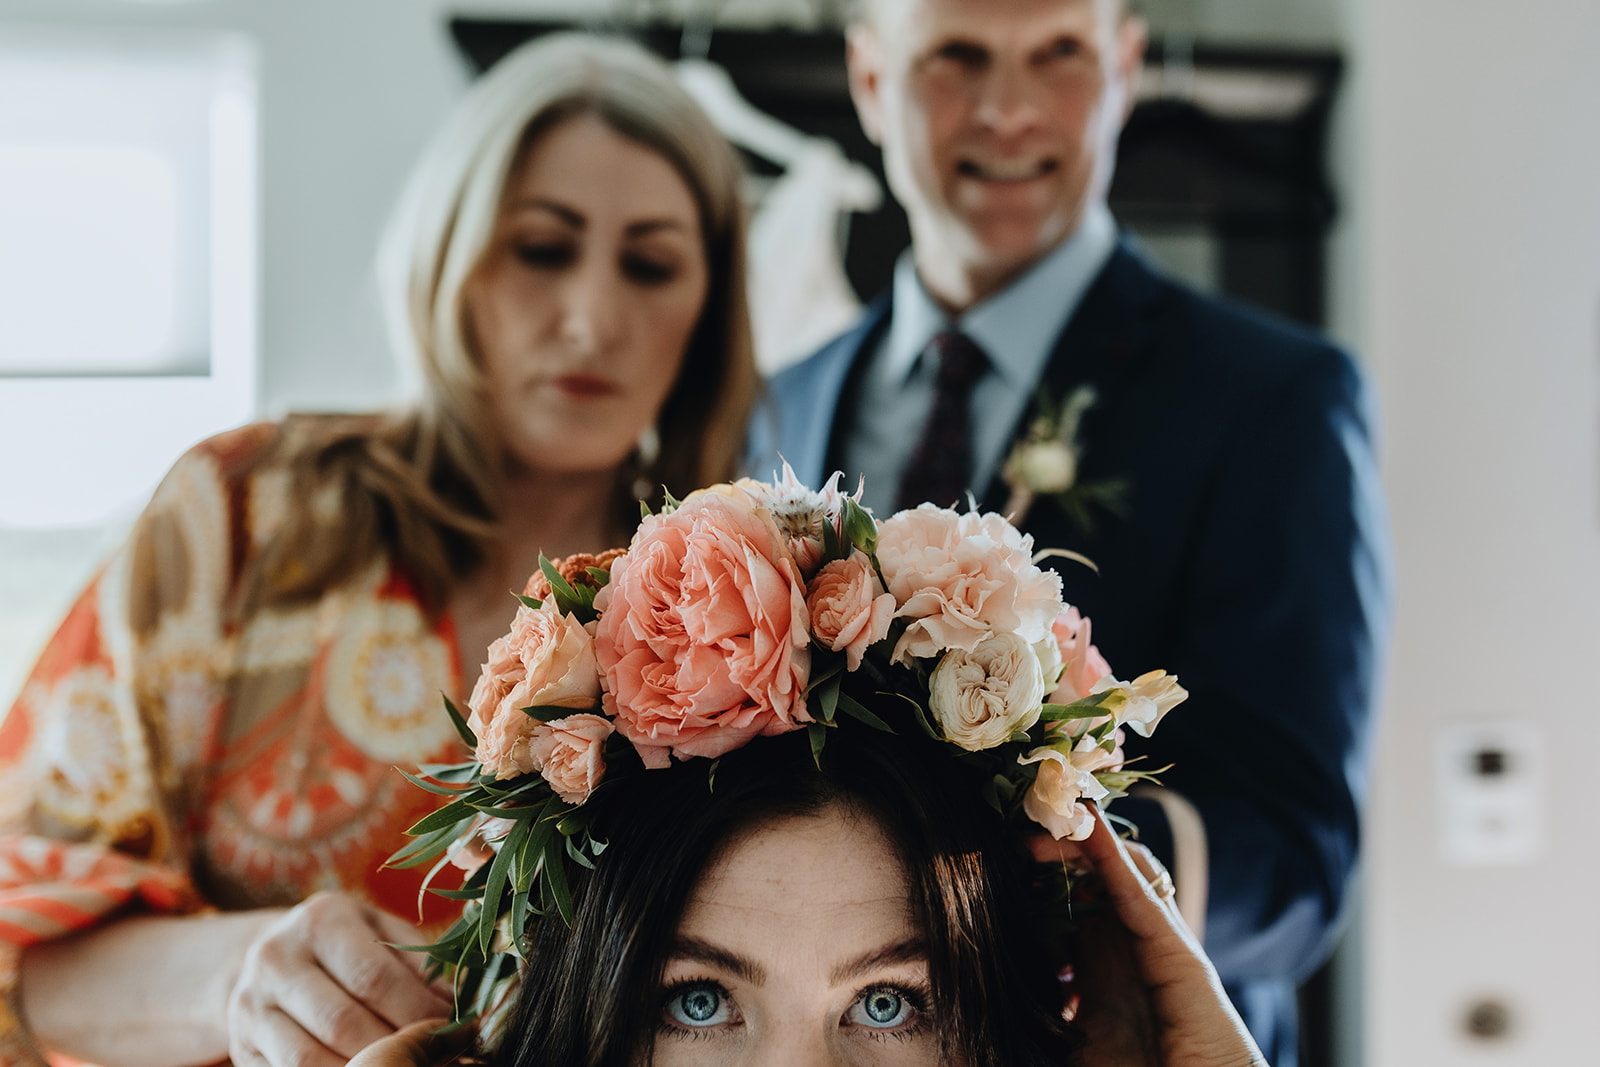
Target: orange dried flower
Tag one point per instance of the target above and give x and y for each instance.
(575, 569)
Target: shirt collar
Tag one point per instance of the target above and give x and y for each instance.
(1016, 327)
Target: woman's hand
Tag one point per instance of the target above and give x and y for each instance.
(319, 985)
(1148, 996)
(415, 1046)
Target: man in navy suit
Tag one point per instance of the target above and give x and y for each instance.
(1244, 547)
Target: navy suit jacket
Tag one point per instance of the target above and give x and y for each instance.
(1249, 558)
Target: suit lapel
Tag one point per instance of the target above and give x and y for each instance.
(1108, 337)
(812, 415)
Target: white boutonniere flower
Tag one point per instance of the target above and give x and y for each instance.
(1045, 462)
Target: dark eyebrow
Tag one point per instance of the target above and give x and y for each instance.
(576, 220)
(561, 211)
(698, 951)
(648, 226)
(912, 951)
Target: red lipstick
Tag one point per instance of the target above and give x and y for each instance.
(585, 386)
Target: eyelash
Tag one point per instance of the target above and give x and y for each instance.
(545, 256)
(647, 271)
(919, 996)
(640, 270)
(677, 989)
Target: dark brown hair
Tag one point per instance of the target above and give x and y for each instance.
(591, 994)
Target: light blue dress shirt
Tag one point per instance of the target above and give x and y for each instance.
(1017, 328)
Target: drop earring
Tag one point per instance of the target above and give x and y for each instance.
(645, 454)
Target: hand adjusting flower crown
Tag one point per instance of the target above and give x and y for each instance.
(754, 609)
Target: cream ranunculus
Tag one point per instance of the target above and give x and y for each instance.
(1055, 799)
(982, 697)
(1146, 699)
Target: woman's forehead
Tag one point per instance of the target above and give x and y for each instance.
(585, 164)
(795, 870)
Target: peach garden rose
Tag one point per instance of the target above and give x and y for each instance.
(845, 615)
(570, 754)
(703, 633)
(546, 660)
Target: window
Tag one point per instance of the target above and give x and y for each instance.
(127, 262)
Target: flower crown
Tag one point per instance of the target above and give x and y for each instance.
(752, 609)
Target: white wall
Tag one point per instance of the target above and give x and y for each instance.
(1278, 23)
(350, 90)
(1482, 289)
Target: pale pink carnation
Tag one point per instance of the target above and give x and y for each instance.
(570, 754)
(703, 638)
(546, 660)
(1082, 664)
(960, 577)
(845, 615)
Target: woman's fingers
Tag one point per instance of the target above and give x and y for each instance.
(1047, 849)
(326, 1012)
(319, 985)
(1139, 903)
(350, 947)
(278, 1039)
(395, 931)
(1154, 871)
(1146, 992)
(414, 1046)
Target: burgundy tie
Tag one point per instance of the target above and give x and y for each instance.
(940, 468)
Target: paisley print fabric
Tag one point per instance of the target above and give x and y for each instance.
(161, 757)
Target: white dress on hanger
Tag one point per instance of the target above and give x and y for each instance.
(799, 295)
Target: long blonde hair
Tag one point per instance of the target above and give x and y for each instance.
(424, 482)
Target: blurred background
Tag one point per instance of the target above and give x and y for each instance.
(191, 192)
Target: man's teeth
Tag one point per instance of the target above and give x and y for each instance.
(1008, 171)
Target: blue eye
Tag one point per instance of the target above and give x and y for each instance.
(881, 1009)
(697, 1006)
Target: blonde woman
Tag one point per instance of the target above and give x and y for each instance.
(196, 783)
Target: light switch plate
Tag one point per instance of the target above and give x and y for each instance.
(1490, 779)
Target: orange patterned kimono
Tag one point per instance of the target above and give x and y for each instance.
(161, 758)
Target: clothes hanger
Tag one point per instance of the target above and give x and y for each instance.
(746, 125)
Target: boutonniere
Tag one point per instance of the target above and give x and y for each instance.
(1045, 463)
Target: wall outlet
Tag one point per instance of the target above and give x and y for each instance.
(1490, 779)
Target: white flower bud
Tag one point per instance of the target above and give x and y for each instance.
(1047, 466)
